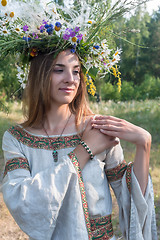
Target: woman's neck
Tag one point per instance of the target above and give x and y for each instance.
(56, 119)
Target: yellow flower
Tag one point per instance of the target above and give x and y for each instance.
(4, 3)
(90, 84)
(90, 22)
(114, 71)
(53, 11)
(74, 39)
(33, 53)
(92, 89)
(57, 28)
(11, 14)
(119, 84)
(117, 74)
(5, 31)
(17, 29)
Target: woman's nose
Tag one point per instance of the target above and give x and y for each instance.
(69, 77)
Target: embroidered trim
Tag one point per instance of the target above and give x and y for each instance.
(116, 173)
(102, 228)
(128, 176)
(75, 162)
(16, 163)
(47, 143)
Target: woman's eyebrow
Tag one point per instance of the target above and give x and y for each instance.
(59, 65)
(76, 66)
(62, 65)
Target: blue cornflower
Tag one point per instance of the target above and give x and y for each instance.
(46, 25)
(96, 46)
(58, 24)
(49, 30)
(73, 50)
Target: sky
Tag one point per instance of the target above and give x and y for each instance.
(153, 5)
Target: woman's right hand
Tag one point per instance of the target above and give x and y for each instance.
(96, 141)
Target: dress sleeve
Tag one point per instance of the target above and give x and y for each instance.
(34, 202)
(136, 212)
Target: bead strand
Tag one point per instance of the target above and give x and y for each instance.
(87, 149)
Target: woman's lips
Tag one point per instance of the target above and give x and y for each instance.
(67, 90)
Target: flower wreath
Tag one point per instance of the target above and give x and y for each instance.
(30, 27)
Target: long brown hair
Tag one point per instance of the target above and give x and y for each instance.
(37, 98)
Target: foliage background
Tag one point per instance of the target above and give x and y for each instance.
(138, 35)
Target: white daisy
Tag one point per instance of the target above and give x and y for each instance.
(4, 31)
(116, 56)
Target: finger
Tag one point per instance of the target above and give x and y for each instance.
(99, 121)
(105, 122)
(116, 119)
(100, 117)
(110, 133)
(108, 127)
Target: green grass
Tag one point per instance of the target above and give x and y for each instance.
(144, 113)
(13, 116)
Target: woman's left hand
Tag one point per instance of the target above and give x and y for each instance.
(122, 129)
(127, 131)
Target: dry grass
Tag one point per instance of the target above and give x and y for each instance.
(9, 230)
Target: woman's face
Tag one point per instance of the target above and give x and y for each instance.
(65, 78)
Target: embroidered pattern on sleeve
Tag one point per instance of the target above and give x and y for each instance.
(128, 176)
(75, 162)
(101, 228)
(16, 163)
(116, 173)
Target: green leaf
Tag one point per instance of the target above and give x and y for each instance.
(93, 72)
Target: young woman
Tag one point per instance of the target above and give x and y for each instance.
(59, 163)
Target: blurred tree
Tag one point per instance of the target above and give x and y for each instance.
(152, 54)
(60, 2)
(9, 85)
(133, 64)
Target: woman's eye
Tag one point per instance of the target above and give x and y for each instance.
(76, 72)
(58, 70)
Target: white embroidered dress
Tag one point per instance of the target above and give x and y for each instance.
(47, 198)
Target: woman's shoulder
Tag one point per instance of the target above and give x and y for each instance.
(17, 131)
(12, 130)
(10, 134)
